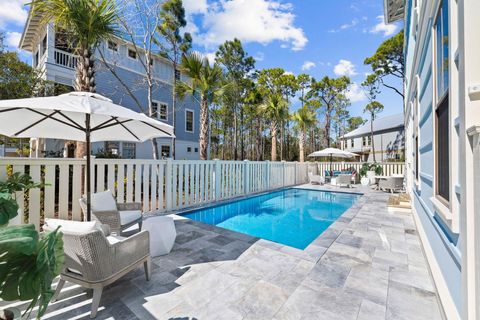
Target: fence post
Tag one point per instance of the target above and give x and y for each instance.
(283, 172)
(295, 173)
(246, 177)
(168, 184)
(216, 178)
(267, 175)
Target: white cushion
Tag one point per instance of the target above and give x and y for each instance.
(72, 227)
(103, 201)
(114, 239)
(128, 216)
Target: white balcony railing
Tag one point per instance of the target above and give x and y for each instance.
(65, 59)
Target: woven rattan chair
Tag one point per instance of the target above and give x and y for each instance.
(118, 216)
(344, 180)
(391, 183)
(315, 179)
(93, 259)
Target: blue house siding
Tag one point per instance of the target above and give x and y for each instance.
(109, 86)
(445, 245)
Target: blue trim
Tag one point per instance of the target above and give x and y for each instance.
(426, 148)
(454, 253)
(424, 51)
(426, 114)
(425, 82)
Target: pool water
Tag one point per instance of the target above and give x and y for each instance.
(293, 217)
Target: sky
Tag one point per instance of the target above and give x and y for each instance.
(318, 37)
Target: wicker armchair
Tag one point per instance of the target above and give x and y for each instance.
(391, 183)
(118, 216)
(315, 179)
(344, 180)
(93, 259)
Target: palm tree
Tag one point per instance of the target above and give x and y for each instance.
(275, 108)
(205, 85)
(87, 23)
(373, 108)
(304, 119)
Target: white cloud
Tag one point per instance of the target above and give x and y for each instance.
(355, 93)
(307, 65)
(288, 72)
(385, 29)
(345, 68)
(12, 39)
(261, 21)
(195, 6)
(210, 56)
(260, 56)
(13, 11)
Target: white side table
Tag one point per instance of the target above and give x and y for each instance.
(162, 234)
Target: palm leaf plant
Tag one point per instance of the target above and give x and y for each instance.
(304, 119)
(29, 261)
(275, 108)
(86, 23)
(205, 85)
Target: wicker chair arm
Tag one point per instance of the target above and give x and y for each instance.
(110, 218)
(129, 206)
(131, 249)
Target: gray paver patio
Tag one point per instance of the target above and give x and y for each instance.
(368, 265)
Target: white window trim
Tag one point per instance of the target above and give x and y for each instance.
(440, 205)
(158, 102)
(193, 120)
(108, 47)
(416, 134)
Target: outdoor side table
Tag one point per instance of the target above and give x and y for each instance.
(162, 234)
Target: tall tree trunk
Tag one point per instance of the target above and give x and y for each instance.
(203, 129)
(242, 141)
(301, 144)
(327, 128)
(371, 137)
(84, 81)
(258, 145)
(273, 129)
(282, 133)
(150, 109)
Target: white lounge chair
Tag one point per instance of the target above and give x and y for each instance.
(95, 259)
(315, 179)
(118, 216)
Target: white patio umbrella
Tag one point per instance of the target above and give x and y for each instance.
(333, 152)
(80, 116)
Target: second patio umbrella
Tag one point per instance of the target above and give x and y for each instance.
(333, 152)
(80, 116)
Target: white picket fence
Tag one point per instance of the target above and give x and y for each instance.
(160, 185)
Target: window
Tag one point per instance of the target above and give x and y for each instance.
(132, 54)
(165, 151)
(417, 155)
(351, 143)
(196, 149)
(44, 45)
(366, 141)
(159, 110)
(151, 61)
(113, 46)
(189, 120)
(128, 151)
(189, 149)
(177, 74)
(35, 59)
(442, 130)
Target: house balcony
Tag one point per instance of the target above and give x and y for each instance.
(65, 59)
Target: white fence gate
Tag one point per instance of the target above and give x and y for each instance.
(160, 185)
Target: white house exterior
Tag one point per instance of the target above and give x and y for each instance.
(388, 139)
(442, 108)
(58, 65)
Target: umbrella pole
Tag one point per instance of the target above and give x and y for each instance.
(87, 141)
(331, 171)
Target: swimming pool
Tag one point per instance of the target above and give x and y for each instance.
(293, 217)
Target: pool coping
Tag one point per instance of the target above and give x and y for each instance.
(315, 250)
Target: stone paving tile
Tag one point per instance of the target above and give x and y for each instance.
(367, 265)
